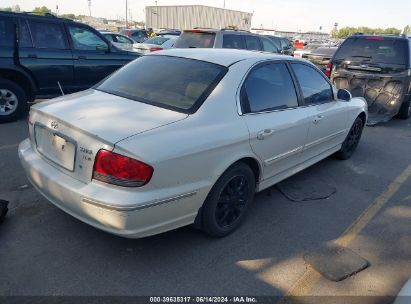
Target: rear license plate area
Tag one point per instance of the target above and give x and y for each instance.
(55, 147)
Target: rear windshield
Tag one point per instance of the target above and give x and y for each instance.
(195, 40)
(156, 40)
(174, 83)
(374, 49)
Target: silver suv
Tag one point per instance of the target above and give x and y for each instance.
(227, 39)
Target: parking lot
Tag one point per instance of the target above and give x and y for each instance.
(44, 251)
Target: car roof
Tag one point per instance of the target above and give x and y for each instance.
(224, 57)
(365, 36)
(47, 16)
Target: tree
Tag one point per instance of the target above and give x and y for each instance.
(6, 9)
(42, 10)
(407, 30)
(69, 16)
(348, 31)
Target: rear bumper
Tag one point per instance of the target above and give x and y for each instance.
(83, 201)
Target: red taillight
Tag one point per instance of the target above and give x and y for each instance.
(328, 70)
(154, 49)
(116, 169)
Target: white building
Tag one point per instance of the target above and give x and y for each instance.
(186, 17)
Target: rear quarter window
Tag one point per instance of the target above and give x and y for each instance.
(231, 41)
(6, 32)
(375, 50)
(195, 40)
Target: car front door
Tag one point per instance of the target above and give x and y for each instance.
(278, 125)
(44, 51)
(93, 58)
(328, 117)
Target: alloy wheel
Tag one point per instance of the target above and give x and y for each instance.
(232, 201)
(8, 102)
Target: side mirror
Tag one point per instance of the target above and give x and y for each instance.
(102, 48)
(344, 94)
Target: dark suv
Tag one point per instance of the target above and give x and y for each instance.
(378, 69)
(43, 56)
(138, 35)
(227, 39)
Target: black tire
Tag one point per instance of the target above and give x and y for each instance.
(405, 110)
(224, 209)
(12, 91)
(351, 141)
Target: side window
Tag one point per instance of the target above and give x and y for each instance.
(252, 43)
(109, 37)
(233, 42)
(122, 39)
(268, 45)
(6, 32)
(85, 39)
(24, 35)
(315, 88)
(139, 34)
(268, 87)
(285, 44)
(48, 35)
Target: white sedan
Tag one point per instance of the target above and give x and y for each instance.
(143, 153)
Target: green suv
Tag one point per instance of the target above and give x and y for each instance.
(46, 56)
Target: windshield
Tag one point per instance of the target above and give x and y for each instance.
(174, 83)
(191, 39)
(374, 50)
(156, 40)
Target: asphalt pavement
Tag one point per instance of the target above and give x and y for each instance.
(44, 251)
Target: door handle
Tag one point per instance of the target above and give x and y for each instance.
(33, 56)
(265, 133)
(318, 118)
(82, 57)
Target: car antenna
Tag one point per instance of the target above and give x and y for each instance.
(62, 92)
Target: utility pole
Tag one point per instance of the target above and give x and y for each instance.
(126, 14)
(89, 7)
(224, 4)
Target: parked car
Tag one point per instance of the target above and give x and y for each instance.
(190, 140)
(173, 32)
(120, 41)
(43, 56)
(138, 35)
(306, 50)
(284, 45)
(157, 43)
(321, 56)
(378, 69)
(227, 39)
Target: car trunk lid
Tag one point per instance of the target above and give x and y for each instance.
(68, 132)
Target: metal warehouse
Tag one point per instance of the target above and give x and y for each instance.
(185, 17)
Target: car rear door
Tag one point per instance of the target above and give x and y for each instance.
(93, 58)
(328, 117)
(278, 125)
(45, 52)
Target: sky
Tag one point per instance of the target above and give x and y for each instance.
(292, 15)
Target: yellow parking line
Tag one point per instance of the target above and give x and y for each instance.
(310, 277)
(8, 146)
